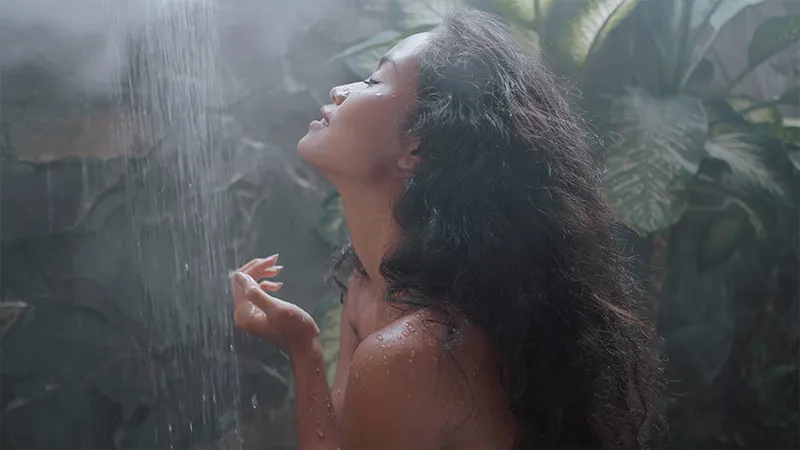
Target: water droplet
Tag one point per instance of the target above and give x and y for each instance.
(378, 94)
(169, 427)
(320, 433)
(405, 333)
(413, 353)
(435, 359)
(254, 401)
(380, 338)
(388, 372)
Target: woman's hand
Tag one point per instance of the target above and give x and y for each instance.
(259, 313)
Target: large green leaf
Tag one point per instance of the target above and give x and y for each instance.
(746, 149)
(656, 151)
(772, 36)
(707, 17)
(580, 30)
(525, 12)
(412, 14)
(745, 154)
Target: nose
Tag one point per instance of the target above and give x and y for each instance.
(338, 94)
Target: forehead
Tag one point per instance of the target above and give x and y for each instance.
(404, 55)
(409, 47)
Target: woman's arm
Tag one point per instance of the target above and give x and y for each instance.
(394, 392)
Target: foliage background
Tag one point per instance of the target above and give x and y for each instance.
(706, 175)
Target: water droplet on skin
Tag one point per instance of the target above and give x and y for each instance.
(388, 372)
(380, 338)
(405, 333)
(320, 433)
(435, 359)
(413, 352)
(378, 94)
(254, 401)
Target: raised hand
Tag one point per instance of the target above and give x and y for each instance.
(257, 312)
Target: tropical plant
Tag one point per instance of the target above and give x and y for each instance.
(680, 144)
(672, 146)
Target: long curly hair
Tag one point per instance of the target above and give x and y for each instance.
(505, 227)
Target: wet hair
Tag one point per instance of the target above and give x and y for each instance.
(505, 227)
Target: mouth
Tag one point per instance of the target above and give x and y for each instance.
(325, 111)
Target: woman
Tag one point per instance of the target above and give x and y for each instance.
(489, 308)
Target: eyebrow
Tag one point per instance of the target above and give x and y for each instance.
(385, 59)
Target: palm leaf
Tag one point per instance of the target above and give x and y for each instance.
(579, 31)
(656, 151)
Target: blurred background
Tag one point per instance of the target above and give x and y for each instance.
(147, 147)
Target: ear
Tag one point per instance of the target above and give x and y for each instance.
(409, 159)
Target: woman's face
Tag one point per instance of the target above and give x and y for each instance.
(360, 135)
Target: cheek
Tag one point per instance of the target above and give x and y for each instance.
(361, 142)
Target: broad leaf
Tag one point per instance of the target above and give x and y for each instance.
(750, 109)
(526, 37)
(525, 12)
(772, 36)
(746, 151)
(706, 20)
(332, 227)
(652, 162)
(579, 32)
(412, 14)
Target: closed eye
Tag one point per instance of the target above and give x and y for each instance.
(370, 81)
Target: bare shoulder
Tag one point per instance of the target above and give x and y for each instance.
(402, 386)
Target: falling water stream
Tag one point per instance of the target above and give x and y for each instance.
(168, 93)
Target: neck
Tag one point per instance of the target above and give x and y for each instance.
(370, 218)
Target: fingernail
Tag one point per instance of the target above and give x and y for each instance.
(278, 284)
(241, 279)
(275, 256)
(277, 268)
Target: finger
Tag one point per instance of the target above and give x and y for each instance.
(270, 286)
(260, 262)
(268, 272)
(253, 292)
